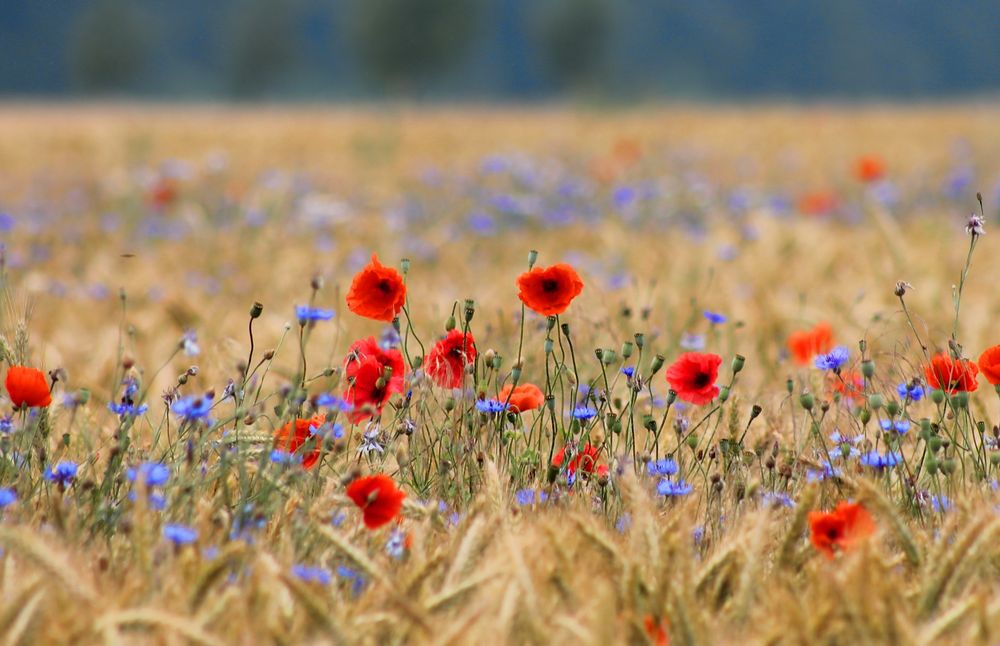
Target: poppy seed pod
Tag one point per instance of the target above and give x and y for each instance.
(640, 340)
(627, 349)
(656, 364)
(937, 396)
(868, 368)
(806, 400)
(738, 362)
(876, 401)
(449, 325)
(404, 266)
(470, 309)
(532, 258)
(892, 408)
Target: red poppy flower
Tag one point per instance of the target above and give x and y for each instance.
(840, 529)
(549, 291)
(368, 390)
(377, 292)
(378, 497)
(849, 383)
(290, 441)
(693, 377)
(585, 459)
(163, 193)
(28, 387)
(869, 168)
(522, 398)
(817, 203)
(989, 363)
(656, 630)
(951, 375)
(446, 361)
(806, 344)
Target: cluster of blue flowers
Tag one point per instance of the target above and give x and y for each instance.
(833, 360)
(306, 314)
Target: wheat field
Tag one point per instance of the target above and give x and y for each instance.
(138, 238)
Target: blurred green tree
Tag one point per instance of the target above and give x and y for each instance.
(574, 39)
(109, 46)
(404, 43)
(260, 46)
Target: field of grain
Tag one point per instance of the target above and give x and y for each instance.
(154, 259)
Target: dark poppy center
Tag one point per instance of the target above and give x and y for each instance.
(384, 286)
(702, 379)
(549, 285)
(833, 533)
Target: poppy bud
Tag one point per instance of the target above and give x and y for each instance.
(418, 361)
(565, 329)
(994, 458)
(627, 349)
(756, 411)
(671, 396)
(316, 283)
(868, 368)
(866, 416)
(183, 379)
(268, 355)
(649, 423)
(599, 353)
(789, 385)
(934, 444)
(515, 375)
(875, 401)
(807, 401)
(404, 266)
(862, 346)
(449, 325)
(497, 362)
(548, 346)
(892, 408)
(550, 322)
(449, 404)
(724, 393)
(470, 309)
(949, 465)
(932, 465)
(532, 258)
(609, 357)
(960, 399)
(692, 441)
(640, 340)
(489, 355)
(738, 362)
(256, 310)
(656, 364)
(616, 426)
(937, 396)
(128, 363)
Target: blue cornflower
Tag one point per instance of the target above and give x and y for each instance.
(338, 519)
(305, 314)
(329, 400)
(530, 496)
(839, 438)
(673, 488)
(834, 359)
(189, 343)
(179, 534)
(623, 523)
(357, 581)
(715, 318)
(914, 392)
(152, 474)
(389, 338)
(828, 471)
(901, 426)
(312, 574)
(284, 457)
(490, 406)
(63, 473)
(6, 424)
(775, 499)
(691, 341)
(192, 408)
(941, 503)
(664, 467)
(698, 534)
(584, 413)
(7, 497)
(396, 545)
(877, 461)
(844, 451)
(127, 410)
(628, 371)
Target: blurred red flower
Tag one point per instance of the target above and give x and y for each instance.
(693, 377)
(839, 530)
(656, 630)
(806, 344)
(377, 292)
(27, 387)
(293, 435)
(365, 370)
(817, 203)
(585, 459)
(869, 168)
(523, 397)
(989, 364)
(549, 291)
(951, 375)
(446, 361)
(378, 497)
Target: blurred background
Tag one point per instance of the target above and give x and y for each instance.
(499, 50)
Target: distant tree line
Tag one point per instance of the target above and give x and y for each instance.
(499, 49)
